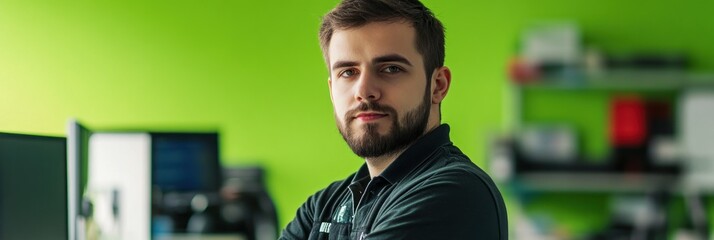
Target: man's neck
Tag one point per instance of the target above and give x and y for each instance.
(376, 165)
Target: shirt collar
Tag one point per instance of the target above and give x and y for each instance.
(419, 151)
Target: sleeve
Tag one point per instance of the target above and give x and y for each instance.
(453, 205)
(300, 226)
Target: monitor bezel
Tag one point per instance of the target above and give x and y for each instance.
(75, 131)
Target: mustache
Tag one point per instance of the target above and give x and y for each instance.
(369, 106)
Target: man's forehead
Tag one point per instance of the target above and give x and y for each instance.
(372, 40)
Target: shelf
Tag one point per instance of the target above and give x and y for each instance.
(596, 182)
(629, 81)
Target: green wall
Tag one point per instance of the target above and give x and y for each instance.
(253, 69)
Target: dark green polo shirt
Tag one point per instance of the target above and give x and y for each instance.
(431, 191)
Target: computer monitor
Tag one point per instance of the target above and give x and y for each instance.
(33, 190)
(184, 166)
(77, 177)
(185, 162)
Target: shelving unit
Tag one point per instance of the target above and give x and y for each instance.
(673, 83)
(601, 179)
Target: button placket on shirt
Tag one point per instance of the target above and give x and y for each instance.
(371, 193)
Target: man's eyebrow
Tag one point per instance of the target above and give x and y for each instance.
(341, 64)
(392, 58)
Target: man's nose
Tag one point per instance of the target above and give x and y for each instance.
(368, 88)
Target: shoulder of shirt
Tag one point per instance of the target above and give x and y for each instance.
(452, 166)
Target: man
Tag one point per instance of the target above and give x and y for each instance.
(387, 81)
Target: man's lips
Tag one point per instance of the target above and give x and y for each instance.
(370, 116)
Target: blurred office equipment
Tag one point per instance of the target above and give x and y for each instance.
(151, 185)
(186, 178)
(637, 217)
(247, 206)
(170, 185)
(658, 149)
(193, 194)
(79, 206)
(637, 144)
(697, 108)
(628, 131)
(548, 144)
(552, 47)
(549, 49)
(33, 196)
(120, 186)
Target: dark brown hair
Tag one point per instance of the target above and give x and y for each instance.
(356, 13)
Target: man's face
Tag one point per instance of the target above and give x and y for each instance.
(378, 87)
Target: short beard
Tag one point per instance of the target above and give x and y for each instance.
(400, 135)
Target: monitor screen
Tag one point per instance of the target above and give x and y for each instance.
(77, 170)
(33, 190)
(185, 162)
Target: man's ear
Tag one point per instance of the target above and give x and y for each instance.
(440, 84)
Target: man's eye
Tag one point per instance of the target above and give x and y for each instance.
(392, 69)
(348, 73)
